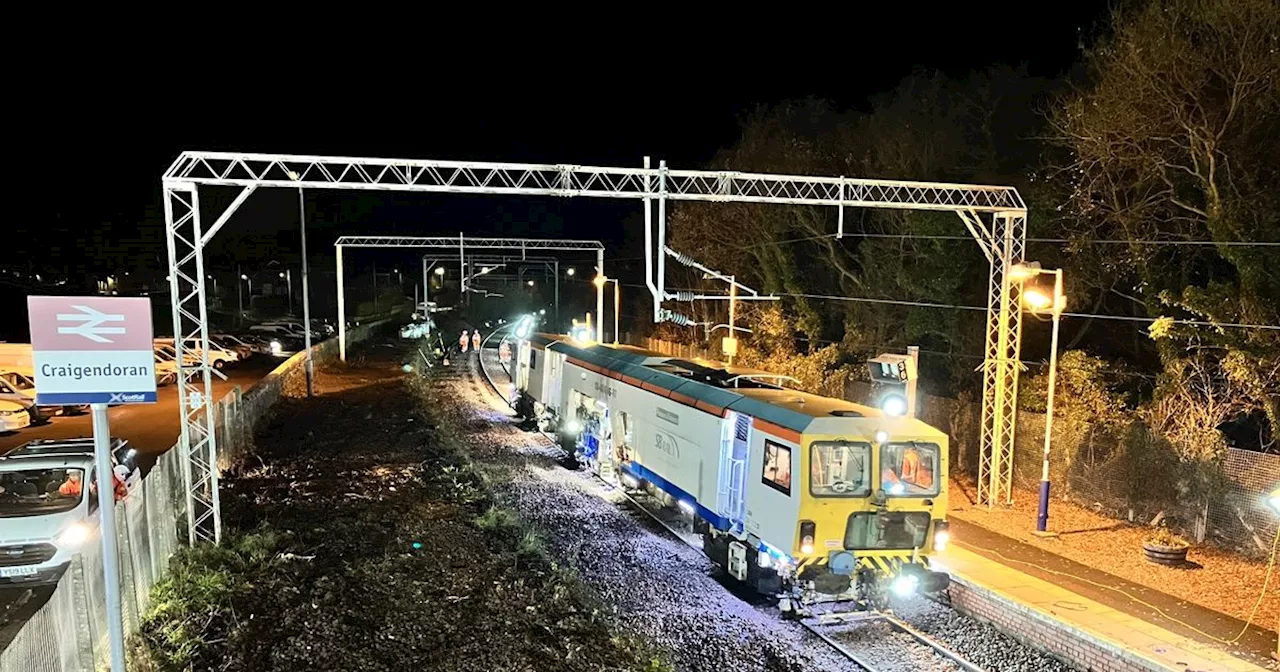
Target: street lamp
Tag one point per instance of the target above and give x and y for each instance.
(600, 281)
(1038, 301)
(439, 270)
(287, 274)
(530, 283)
(569, 271)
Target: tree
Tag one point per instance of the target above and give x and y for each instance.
(1174, 139)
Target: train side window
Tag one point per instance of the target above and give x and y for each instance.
(777, 467)
(839, 469)
(533, 358)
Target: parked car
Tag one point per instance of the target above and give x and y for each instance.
(274, 330)
(286, 346)
(166, 368)
(49, 505)
(230, 342)
(11, 394)
(24, 385)
(294, 328)
(13, 416)
(219, 356)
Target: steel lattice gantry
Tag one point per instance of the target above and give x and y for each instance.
(996, 217)
(461, 243)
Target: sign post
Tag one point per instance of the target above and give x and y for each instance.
(96, 351)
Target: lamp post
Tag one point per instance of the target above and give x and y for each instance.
(1037, 301)
(240, 296)
(288, 276)
(600, 281)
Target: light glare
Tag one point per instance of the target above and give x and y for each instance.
(905, 585)
(894, 405)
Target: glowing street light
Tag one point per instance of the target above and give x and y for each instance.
(600, 281)
(569, 271)
(1038, 301)
(530, 283)
(439, 270)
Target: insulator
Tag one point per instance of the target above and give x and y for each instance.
(676, 318)
(681, 257)
(684, 295)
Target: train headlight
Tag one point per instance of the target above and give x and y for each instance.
(941, 535)
(882, 436)
(905, 585)
(893, 405)
(808, 531)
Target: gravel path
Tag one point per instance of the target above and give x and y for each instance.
(669, 592)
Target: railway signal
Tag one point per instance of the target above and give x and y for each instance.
(898, 375)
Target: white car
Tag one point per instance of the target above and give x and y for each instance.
(219, 357)
(13, 416)
(49, 505)
(22, 384)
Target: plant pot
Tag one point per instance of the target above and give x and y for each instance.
(1169, 556)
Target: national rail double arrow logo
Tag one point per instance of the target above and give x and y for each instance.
(90, 320)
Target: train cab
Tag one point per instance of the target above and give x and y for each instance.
(795, 494)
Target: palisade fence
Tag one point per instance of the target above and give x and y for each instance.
(69, 632)
(1127, 476)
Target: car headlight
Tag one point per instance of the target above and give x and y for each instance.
(905, 585)
(73, 537)
(276, 348)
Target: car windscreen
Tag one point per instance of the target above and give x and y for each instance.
(37, 492)
(18, 380)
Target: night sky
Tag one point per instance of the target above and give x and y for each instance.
(101, 131)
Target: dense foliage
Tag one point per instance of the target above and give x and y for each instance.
(1168, 132)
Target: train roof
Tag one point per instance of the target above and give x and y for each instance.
(709, 385)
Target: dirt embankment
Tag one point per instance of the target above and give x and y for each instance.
(364, 541)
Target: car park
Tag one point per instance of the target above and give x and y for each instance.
(49, 505)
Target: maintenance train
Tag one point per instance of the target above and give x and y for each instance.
(800, 496)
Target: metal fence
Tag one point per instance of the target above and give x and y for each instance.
(1126, 474)
(69, 632)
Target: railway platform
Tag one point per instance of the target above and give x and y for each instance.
(1106, 630)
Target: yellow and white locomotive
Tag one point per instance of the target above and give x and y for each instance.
(802, 496)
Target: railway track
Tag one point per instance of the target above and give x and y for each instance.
(873, 640)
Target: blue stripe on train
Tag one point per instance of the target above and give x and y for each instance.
(640, 471)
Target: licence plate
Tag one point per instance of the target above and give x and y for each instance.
(17, 571)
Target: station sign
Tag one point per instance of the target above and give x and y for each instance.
(92, 350)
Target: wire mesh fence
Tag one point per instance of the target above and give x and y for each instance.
(68, 633)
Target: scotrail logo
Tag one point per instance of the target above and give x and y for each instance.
(126, 397)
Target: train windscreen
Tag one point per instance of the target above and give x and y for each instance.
(839, 469)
